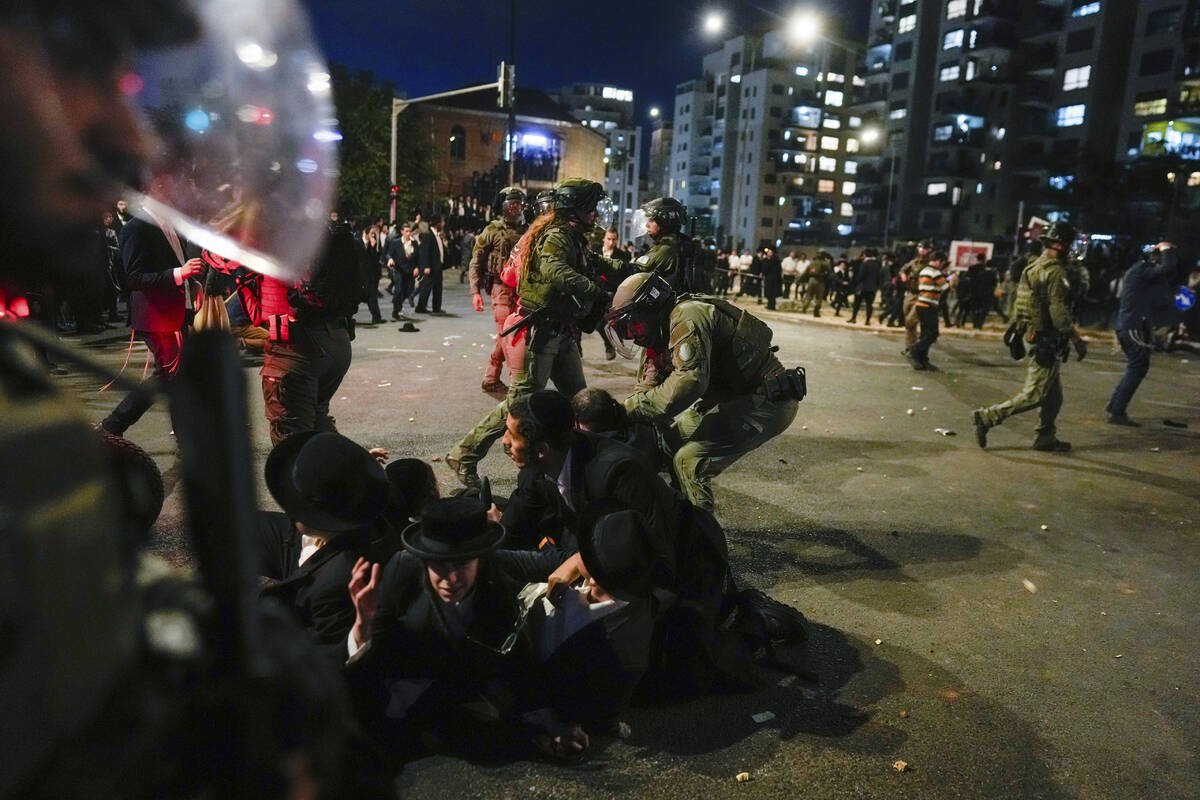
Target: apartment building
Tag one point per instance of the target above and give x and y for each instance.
(610, 110)
(763, 152)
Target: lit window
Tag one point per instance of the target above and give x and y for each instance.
(956, 9)
(831, 122)
(1077, 78)
(949, 73)
(1085, 10)
(825, 187)
(934, 189)
(847, 211)
(787, 135)
(835, 77)
(970, 74)
(851, 167)
(1000, 133)
(996, 165)
(1194, 179)
(683, 184)
(855, 122)
(829, 143)
(827, 164)
(943, 133)
(833, 97)
(852, 145)
(953, 39)
(1069, 116)
(1147, 108)
(849, 187)
(735, 78)
(802, 71)
(906, 24)
(979, 188)
(898, 113)
(1061, 181)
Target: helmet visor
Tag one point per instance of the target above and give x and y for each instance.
(241, 120)
(604, 213)
(638, 224)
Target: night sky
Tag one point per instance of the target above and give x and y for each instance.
(427, 46)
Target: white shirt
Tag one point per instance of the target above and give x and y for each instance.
(566, 619)
(789, 265)
(308, 546)
(564, 481)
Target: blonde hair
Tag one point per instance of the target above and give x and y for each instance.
(527, 242)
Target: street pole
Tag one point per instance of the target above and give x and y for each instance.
(887, 215)
(512, 97)
(395, 118)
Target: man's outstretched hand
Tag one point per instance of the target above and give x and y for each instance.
(364, 585)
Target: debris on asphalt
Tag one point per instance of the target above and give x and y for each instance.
(805, 427)
(385, 384)
(1174, 423)
(783, 461)
(910, 412)
(900, 766)
(1118, 655)
(1029, 586)
(1154, 449)
(858, 469)
(412, 419)
(1045, 527)
(945, 432)
(1104, 613)
(763, 716)
(879, 641)
(787, 680)
(903, 715)
(924, 408)
(742, 777)
(918, 388)
(436, 458)
(623, 730)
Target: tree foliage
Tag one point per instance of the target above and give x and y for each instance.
(364, 108)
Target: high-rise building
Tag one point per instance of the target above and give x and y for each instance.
(610, 110)
(660, 158)
(763, 151)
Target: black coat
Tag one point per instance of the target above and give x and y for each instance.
(429, 257)
(156, 303)
(869, 276)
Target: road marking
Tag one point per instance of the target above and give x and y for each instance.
(871, 363)
(1172, 405)
(397, 350)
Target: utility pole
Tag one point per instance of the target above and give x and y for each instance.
(887, 214)
(510, 91)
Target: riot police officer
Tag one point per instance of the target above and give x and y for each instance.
(709, 375)
(662, 220)
(1042, 320)
(557, 297)
(492, 248)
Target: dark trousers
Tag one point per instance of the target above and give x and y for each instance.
(403, 290)
(928, 318)
(426, 284)
(1137, 364)
(300, 377)
(164, 349)
(860, 298)
(370, 292)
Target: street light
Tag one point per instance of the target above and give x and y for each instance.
(714, 23)
(654, 112)
(804, 27)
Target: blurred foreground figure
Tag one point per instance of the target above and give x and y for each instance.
(111, 684)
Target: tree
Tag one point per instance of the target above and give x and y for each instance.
(364, 107)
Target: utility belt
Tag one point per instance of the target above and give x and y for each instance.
(280, 327)
(790, 384)
(1050, 346)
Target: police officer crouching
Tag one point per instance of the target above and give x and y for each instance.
(709, 372)
(1042, 321)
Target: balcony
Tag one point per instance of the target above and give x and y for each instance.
(1047, 20)
(1037, 95)
(883, 34)
(1042, 59)
(967, 102)
(1033, 162)
(887, 9)
(1000, 36)
(961, 164)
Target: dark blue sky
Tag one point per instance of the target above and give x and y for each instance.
(427, 46)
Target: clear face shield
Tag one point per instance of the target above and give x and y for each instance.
(620, 331)
(604, 213)
(244, 137)
(638, 224)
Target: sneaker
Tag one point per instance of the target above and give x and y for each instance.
(1051, 445)
(1122, 419)
(465, 471)
(916, 362)
(981, 427)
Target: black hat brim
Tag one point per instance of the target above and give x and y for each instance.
(414, 541)
(278, 474)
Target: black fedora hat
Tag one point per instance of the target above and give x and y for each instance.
(326, 481)
(452, 529)
(621, 555)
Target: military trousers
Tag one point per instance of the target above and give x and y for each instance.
(1042, 390)
(504, 299)
(707, 442)
(814, 291)
(912, 322)
(300, 376)
(554, 358)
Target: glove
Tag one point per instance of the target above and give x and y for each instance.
(1080, 348)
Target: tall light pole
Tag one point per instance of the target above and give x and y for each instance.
(510, 92)
(869, 136)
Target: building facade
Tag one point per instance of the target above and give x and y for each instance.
(610, 110)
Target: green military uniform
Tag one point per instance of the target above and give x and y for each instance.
(713, 386)
(555, 285)
(818, 279)
(910, 272)
(1043, 308)
(492, 248)
(665, 257)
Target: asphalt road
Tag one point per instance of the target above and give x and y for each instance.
(1009, 623)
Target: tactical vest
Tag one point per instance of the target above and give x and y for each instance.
(1032, 309)
(748, 350)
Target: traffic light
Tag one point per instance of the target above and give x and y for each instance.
(395, 192)
(506, 85)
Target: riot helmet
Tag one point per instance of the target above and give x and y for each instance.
(510, 204)
(544, 203)
(579, 197)
(641, 308)
(667, 212)
(1062, 233)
